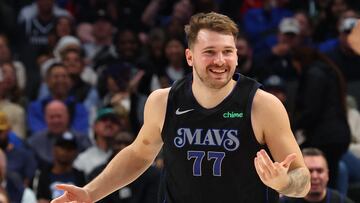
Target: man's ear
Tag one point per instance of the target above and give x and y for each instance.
(189, 57)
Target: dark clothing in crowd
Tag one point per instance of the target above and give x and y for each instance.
(319, 114)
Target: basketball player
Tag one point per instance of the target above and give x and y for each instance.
(215, 129)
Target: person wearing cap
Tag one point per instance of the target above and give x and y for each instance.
(277, 59)
(57, 123)
(106, 125)
(342, 54)
(20, 160)
(65, 151)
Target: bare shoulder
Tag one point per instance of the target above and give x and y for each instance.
(160, 94)
(267, 113)
(155, 107)
(266, 102)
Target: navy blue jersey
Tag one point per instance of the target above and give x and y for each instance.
(209, 153)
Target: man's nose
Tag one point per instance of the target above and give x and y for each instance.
(219, 59)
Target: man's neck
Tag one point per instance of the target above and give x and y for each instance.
(211, 97)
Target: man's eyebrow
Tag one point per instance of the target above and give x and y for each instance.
(213, 47)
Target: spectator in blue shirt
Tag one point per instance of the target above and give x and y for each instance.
(59, 84)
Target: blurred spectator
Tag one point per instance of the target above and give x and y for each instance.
(142, 190)
(153, 58)
(18, 193)
(84, 33)
(352, 157)
(40, 7)
(245, 56)
(317, 165)
(320, 107)
(102, 49)
(177, 67)
(14, 93)
(64, 26)
(259, 23)
(83, 90)
(82, 77)
(330, 44)
(127, 45)
(327, 26)
(59, 83)
(20, 160)
(174, 25)
(306, 28)
(61, 171)
(106, 125)
(121, 94)
(353, 116)
(278, 59)
(342, 54)
(57, 123)
(7, 57)
(38, 20)
(14, 112)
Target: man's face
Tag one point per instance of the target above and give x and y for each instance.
(57, 120)
(45, 6)
(106, 127)
(174, 51)
(213, 58)
(73, 63)
(127, 44)
(319, 174)
(291, 39)
(64, 156)
(102, 29)
(59, 81)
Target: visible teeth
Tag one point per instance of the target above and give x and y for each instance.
(218, 71)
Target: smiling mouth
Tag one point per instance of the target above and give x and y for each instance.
(218, 71)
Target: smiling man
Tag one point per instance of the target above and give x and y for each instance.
(208, 157)
(316, 163)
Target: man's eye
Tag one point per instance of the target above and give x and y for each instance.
(228, 51)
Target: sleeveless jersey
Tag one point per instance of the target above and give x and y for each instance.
(209, 153)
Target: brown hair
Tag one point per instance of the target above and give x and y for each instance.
(306, 55)
(211, 21)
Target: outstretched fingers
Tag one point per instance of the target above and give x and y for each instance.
(264, 165)
(288, 160)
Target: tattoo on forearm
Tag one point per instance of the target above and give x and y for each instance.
(299, 178)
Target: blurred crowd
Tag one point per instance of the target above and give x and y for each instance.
(75, 75)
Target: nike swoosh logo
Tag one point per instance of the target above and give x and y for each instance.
(178, 112)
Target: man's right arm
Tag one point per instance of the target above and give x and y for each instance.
(130, 162)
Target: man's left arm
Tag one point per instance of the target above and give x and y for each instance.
(287, 174)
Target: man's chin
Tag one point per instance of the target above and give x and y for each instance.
(314, 194)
